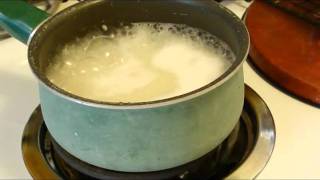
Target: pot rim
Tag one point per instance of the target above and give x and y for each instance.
(235, 67)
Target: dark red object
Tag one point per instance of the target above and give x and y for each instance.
(286, 49)
(307, 9)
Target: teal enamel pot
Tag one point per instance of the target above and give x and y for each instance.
(133, 137)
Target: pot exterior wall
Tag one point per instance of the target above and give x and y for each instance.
(139, 140)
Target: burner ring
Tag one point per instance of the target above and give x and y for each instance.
(264, 141)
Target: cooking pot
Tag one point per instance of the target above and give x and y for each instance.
(124, 136)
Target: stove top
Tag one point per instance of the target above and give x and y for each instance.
(242, 155)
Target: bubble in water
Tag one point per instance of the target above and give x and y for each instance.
(95, 69)
(68, 63)
(104, 27)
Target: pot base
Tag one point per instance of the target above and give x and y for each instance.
(254, 134)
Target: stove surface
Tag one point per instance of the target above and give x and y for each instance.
(296, 153)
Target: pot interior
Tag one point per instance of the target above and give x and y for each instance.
(79, 20)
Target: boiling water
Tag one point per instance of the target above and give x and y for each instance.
(140, 62)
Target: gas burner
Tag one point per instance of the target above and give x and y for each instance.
(243, 155)
(50, 6)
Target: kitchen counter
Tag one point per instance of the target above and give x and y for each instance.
(297, 124)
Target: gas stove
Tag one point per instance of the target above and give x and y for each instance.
(297, 124)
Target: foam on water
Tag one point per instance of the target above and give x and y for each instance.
(140, 62)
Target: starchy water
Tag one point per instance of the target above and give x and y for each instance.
(140, 62)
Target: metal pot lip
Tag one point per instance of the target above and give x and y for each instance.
(235, 67)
